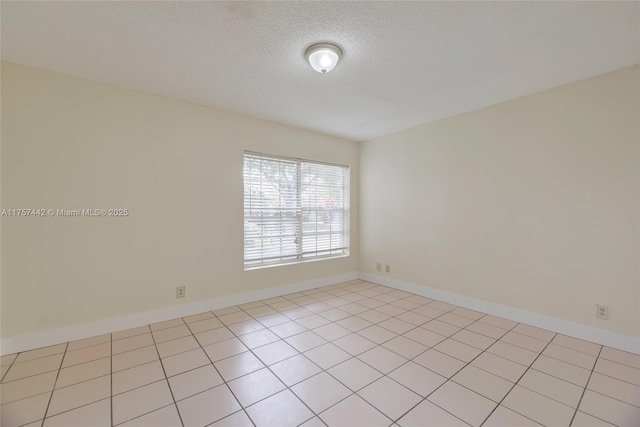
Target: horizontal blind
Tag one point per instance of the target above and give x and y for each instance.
(294, 210)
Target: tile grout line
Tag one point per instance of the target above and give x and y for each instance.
(570, 363)
(265, 344)
(408, 360)
(584, 390)
(376, 345)
(579, 386)
(479, 320)
(144, 385)
(636, 367)
(9, 368)
(27, 361)
(274, 374)
(370, 309)
(335, 322)
(447, 379)
(15, 360)
(326, 371)
(287, 387)
(607, 375)
(612, 398)
(428, 348)
(356, 332)
(539, 371)
(44, 416)
(166, 379)
(426, 398)
(322, 370)
(445, 337)
(57, 369)
(516, 383)
(146, 413)
(422, 399)
(224, 382)
(299, 353)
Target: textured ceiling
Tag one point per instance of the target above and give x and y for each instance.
(405, 63)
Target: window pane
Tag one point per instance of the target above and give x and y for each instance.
(293, 210)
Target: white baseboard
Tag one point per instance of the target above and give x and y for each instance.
(76, 332)
(576, 330)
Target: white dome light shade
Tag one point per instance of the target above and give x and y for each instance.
(323, 57)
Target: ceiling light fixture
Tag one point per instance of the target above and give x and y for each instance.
(323, 57)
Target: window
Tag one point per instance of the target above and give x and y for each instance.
(294, 210)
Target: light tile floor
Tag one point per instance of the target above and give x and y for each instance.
(344, 355)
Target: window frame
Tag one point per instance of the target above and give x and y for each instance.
(306, 207)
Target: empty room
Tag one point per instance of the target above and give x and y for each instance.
(255, 213)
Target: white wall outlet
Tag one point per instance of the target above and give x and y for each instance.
(378, 266)
(387, 268)
(180, 292)
(602, 311)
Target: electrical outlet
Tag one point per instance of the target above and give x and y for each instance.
(387, 268)
(378, 266)
(602, 311)
(180, 292)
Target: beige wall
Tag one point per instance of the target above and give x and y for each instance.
(533, 203)
(70, 143)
